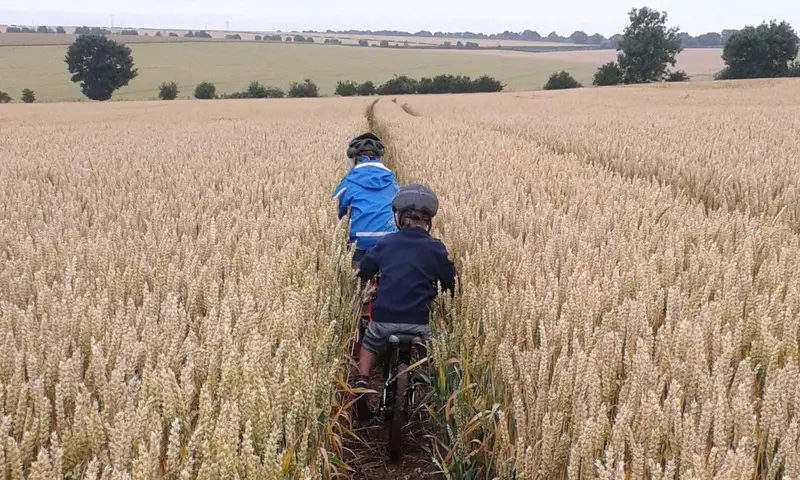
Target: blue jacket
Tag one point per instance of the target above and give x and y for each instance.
(367, 190)
(410, 262)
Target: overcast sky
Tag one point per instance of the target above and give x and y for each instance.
(604, 16)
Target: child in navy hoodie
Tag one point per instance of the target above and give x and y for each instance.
(410, 262)
(366, 191)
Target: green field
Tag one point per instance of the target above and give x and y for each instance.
(231, 66)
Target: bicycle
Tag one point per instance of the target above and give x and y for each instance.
(400, 378)
(398, 397)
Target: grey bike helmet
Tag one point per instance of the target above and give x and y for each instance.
(417, 201)
(366, 143)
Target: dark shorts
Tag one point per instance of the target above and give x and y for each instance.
(357, 256)
(377, 334)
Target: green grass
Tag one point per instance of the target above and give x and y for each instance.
(231, 66)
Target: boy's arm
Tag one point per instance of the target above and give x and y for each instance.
(340, 193)
(369, 263)
(447, 271)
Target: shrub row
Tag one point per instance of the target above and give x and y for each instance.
(405, 85)
(608, 74)
(27, 96)
(208, 91)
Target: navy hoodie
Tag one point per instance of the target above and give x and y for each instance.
(410, 262)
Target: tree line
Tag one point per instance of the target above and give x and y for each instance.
(579, 37)
(647, 47)
(710, 39)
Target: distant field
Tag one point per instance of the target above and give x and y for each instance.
(232, 65)
(701, 63)
(440, 40)
(24, 39)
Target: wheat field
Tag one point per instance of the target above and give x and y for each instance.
(174, 299)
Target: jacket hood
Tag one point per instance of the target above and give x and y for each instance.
(371, 175)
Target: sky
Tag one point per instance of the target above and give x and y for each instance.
(605, 16)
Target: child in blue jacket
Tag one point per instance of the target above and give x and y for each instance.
(411, 262)
(366, 191)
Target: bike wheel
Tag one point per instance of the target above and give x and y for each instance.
(398, 416)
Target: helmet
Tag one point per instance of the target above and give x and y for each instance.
(366, 143)
(416, 198)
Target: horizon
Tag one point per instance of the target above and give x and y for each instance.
(450, 17)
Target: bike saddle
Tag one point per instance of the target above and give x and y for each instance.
(405, 338)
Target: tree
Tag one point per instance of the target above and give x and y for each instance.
(560, 81)
(257, 38)
(4, 97)
(303, 90)
(168, 91)
(384, 43)
(363, 43)
(608, 74)
(43, 29)
(595, 39)
(28, 96)
(760, 52)
(579, 37)
(60, 30)
(101, 65)
(205, 91)
(647, 46)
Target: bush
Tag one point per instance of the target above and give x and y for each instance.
(399, 85)
(724, 74)
(346, 89)
(273, 38)
(173, 34)
(168, 91)
(561, 81)
(257, 38)
(485, 83)
(28, 96)
(366, 89)
(4, 97)
(129, 32)
(60, 30)
(158, 34)
(363, 43)
(306, 89)
(678, 76)
(384, 43)
(608, 74)
(274, 92)
(205, 91)
(794, 69)
(256, 90)
(235, 36)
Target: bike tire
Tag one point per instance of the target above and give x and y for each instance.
(398, 416)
